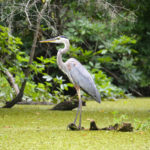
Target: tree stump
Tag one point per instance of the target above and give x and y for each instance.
(93, 125)
(126, 127)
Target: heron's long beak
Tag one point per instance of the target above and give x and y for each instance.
(48, 41)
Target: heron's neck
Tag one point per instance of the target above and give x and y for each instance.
(59, 56)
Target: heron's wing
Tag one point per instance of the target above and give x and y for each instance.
(80, 76)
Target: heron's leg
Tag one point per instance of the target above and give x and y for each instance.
(80, 107)
(76, 116)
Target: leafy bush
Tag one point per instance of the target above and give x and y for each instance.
(113, 55)
(15, 61)
(6, 92)
(107, 89)
(9, 48)
(121, 60)
(104, 83)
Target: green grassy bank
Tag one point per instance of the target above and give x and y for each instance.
(37, 128)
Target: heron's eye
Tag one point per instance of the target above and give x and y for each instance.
(58, 38)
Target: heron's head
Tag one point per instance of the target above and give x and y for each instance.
(58, 39)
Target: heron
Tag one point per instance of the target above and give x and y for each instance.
(77, 74)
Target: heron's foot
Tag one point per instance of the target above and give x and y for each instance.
(80, 128)
(73, 127)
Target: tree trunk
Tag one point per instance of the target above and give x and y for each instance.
(11, 81)
(18, 98)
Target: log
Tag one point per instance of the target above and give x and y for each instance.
(126, 127)
(67, 105)
(34, 103)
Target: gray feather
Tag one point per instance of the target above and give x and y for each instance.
(81, 77)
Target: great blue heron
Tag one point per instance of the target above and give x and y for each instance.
(76, 73)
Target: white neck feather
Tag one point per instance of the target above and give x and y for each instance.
(59, 55)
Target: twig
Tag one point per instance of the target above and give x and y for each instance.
(27, 13)
(112, 74)
(133, 90)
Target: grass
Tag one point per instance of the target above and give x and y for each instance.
(37, 128)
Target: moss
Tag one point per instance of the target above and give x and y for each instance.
(36, 127)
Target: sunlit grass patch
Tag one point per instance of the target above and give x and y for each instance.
(36, 127)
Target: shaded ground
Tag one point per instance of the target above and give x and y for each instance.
(35, 127)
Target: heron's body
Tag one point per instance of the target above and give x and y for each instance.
(76, 73)
(79, 76)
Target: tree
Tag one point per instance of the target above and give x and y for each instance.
(106, 37)
(27, 71)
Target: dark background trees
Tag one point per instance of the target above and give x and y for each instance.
(111, 38)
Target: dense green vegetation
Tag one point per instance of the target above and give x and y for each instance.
(36, 127)
(111, 38)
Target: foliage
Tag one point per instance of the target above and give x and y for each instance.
(110, 38)
(142, 125)
(120, 57)
(36, 92)
(104, 83)
(138, 124)
(142, 31)
(106, 88)
(114, 54)
(6, 92)
(84, 32)
(121, 119)
(9, 48)
(18, 61)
